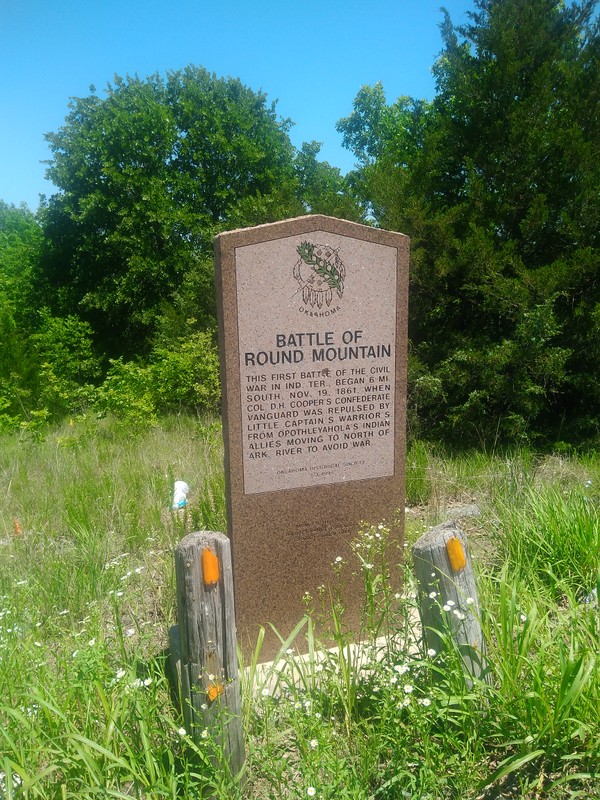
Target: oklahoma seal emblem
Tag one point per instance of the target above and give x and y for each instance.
(319, 272)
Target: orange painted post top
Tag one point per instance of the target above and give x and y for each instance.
(214, 690)
(456, 554)
(210, 567)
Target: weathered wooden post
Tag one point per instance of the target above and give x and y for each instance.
(448, 599)
(208, 666)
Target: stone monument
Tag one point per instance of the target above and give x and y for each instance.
(313, 346)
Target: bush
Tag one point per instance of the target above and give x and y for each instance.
(183, 377)
(186, 375)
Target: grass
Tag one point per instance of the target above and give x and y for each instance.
(87, 597)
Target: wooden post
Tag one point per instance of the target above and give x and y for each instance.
(448, 599)
(208, 666)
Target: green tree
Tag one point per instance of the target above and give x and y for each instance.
(20, 242)
(147, 176)
(20, 239)
(322, 189)
(494, 181)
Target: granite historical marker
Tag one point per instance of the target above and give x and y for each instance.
(312, 329)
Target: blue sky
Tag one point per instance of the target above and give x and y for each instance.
(311, 55)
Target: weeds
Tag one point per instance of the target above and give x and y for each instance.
(87, 598)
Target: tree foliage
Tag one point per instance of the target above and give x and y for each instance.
(147, 176)
(107, 298)
(496, 180)
(46, 362)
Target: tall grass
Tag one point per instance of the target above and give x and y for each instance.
(552, 532)
(87, 597)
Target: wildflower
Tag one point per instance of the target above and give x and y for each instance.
(120, 674)
(265, 692)
(523, 617)
(311, 791)
(182, 732)
(204, 706)
(431, 652)
(408, 688)
(469, 601)
(432, 595)
(314, 743)
(368, 566)
(204, 733)
(147, 681)
(446, 607)
(91, 642)
(401, 669)
(425, 701)
(450, 603)
(458, 614)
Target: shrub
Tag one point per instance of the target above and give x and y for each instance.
(185, 376)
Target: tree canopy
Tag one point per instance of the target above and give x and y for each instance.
(496, 180)
(147, 176)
